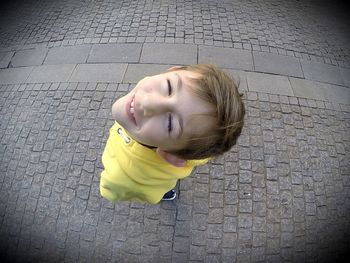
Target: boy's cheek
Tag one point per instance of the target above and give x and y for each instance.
(115, 110)
(141, 82)
(150, 137)
(118, 110)
(147, 84)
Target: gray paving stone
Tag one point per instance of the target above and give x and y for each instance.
(272, 63)
(307, 89)
(68, 55)
(269, 84)
(321, 91)
(98, 73)
(345, 73)
(178, 54)
(321, 72)
(30, 57)
(5, 58)
(337, 94)
(135, 72)
(51, 73)
(121, 53)
(15, 75)
(226, 57)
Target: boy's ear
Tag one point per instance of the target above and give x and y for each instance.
(171, 158)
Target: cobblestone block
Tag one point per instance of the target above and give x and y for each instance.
(213, 246)
(216, 186)
(197, 252)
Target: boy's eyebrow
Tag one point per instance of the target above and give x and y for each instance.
(179, 86)
(179, 81)
(180, 129)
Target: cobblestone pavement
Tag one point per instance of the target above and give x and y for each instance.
(317, 30)
(281, 195)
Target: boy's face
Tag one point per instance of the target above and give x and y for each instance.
(160, 111)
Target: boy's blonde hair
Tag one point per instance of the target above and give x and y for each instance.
(219, 90)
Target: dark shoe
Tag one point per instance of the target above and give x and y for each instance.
(171, 195)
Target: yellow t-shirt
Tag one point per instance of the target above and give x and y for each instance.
(136, 173)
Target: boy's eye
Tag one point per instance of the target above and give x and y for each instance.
(170, 89)
(170, 123)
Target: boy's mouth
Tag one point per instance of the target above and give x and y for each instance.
(131, 110)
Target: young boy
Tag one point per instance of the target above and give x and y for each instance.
(168, 124)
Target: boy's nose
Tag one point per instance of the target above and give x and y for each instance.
(153, 105)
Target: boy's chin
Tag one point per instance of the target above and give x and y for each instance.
(148, 145)
(142, 142)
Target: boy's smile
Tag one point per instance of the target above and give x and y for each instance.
(129, 109)
(161, 110)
